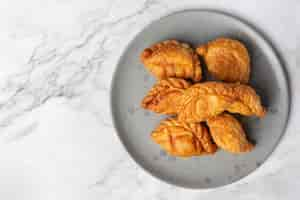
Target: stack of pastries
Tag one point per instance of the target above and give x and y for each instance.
(201, 120)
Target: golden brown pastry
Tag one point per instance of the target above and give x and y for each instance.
(205, 100)
(228, 134)
(171, 58)
(163, 96)
(226, 59)
(183, 139)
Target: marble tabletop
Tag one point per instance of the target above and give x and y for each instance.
(56, 136)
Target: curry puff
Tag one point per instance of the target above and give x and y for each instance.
(226, 59)
(205, 100)
(163, 96)
(171, 58)
(228, 134)
(183, 139)
(201, 120)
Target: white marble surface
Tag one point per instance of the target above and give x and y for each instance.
(56, 135)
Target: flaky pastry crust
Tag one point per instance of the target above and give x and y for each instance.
(183, 139)
(226, 59)
(205, 100)
(228, 134)
(163, 96)
(171, 58)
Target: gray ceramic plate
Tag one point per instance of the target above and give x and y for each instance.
(131, 82)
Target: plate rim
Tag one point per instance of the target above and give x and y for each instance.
(269, 45)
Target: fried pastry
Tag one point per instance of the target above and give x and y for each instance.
(226, 59)
(163, 96)
(183, 139)
(171, 58)
(205, 100)
(228, 134)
